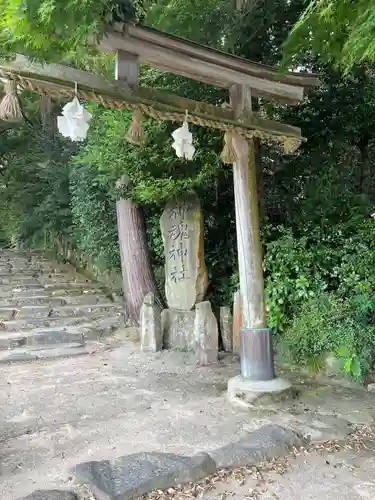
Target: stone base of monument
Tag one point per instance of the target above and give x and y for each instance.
(246, 393)
(178, 329)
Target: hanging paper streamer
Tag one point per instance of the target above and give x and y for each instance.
(183, 141)
(74, 123)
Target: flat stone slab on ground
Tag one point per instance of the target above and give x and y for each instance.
(33, 353)
(134, 475)
(269, 441)
(319, 428)
(51, 495)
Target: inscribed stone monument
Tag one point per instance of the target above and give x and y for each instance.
(206, 334)
(237, 322)
(185, 270)
(226, 328)
(150, 323)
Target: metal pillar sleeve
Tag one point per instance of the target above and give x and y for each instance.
(257, 360)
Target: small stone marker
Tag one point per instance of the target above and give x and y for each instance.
(185, 270)
(178, 329)
(206, 334)
(237, 322)
(150, 324)
(226, 328)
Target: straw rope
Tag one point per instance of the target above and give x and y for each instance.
(288, 143)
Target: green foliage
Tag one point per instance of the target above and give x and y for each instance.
(93, 211)
(320, 296)
(52, 29)
(34, 186)
(329, 325)
(338, 30)
(196, 20)
(292, 276)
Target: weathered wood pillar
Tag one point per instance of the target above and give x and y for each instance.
(256, 348)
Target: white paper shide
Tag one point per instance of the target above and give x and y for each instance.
(183, 142)
(74, 122)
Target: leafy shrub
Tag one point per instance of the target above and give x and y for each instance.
(292, 276)
(328, 324)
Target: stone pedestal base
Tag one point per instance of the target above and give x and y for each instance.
(247, 393)
(178, 329)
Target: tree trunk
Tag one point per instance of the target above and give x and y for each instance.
(137, 275)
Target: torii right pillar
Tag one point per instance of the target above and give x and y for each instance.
(257, 377)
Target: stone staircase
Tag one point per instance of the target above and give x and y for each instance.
(48, 310)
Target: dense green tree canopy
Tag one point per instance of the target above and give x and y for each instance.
(341, 31)
(52, 29)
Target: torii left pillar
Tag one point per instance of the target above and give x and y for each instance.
(257, 363)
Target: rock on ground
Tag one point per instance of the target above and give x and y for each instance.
(133, 475)
(52, 495)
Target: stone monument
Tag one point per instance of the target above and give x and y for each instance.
(185, 270)
(226, 328)
(206, 334)
(150, 325)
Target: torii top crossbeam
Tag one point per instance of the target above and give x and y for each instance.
(182, 57)
(136, 44)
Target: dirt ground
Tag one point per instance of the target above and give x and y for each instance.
(343, 471)
(118, 401)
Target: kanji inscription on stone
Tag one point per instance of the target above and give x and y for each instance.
(185, 270)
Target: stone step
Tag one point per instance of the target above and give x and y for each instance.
(51, 352)
(92, 327)
(10, 287)
(40, 280)
(70, 285)
(53, 336)
(38, 290)
(22, 281)
(86, 299)
(28, 324)
(52, 301)
(14, 294)
(17, 273)
(21, 293)
(9, 313)
(22, 268)
(12, 340)
(49, 310)
(103, 327)
(17, 302)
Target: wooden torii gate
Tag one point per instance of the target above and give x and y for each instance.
(134, 45)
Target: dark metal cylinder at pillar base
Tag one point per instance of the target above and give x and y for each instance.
(257, 362)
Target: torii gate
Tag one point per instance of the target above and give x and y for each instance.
(133, 45)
